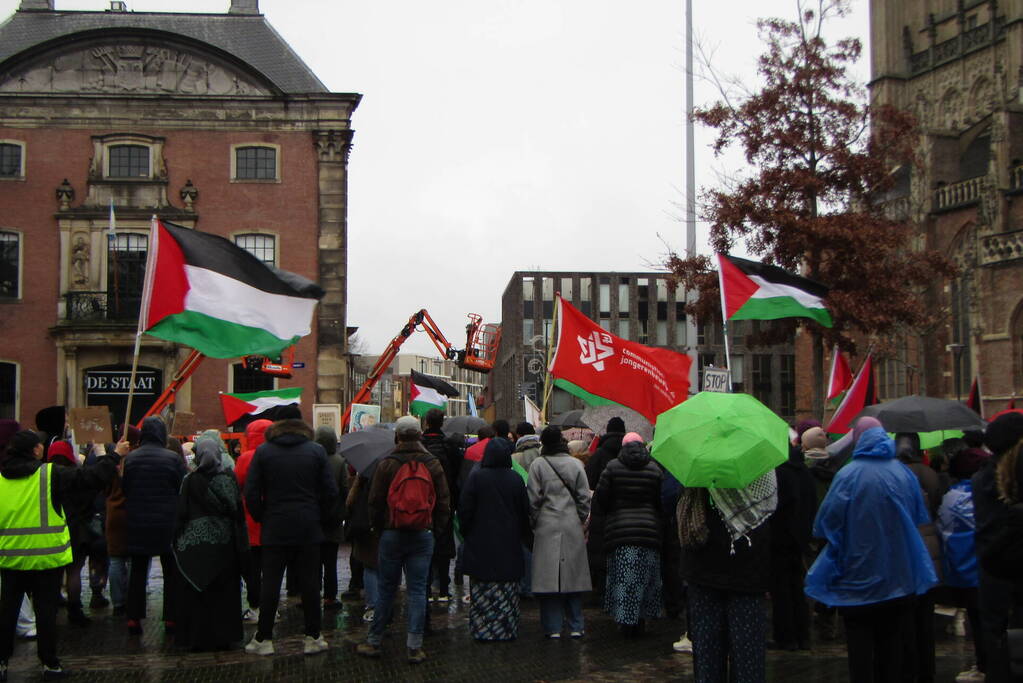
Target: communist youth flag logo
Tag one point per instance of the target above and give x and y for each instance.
(595, 349)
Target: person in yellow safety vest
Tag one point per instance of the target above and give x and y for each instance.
(34, 541)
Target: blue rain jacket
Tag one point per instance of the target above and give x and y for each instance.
(957, 528)
(869, 519)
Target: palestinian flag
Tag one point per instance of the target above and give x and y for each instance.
(862, 393)
(757, 291)
(841, 376)
(203, 291)
(429, 392)
(975, 401)
(259, 404)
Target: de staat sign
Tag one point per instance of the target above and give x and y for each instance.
(116, 381)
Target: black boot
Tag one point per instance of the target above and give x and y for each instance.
(76, 616)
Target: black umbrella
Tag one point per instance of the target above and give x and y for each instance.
(923, 414)
(363, 449)
(569, 418)
(463, 424)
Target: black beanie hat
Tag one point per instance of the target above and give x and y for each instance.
(1003, 433)
(551, 436)
(615, 425)
(524, 428)
(23, 443)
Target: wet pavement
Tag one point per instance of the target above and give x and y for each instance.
(105, 652)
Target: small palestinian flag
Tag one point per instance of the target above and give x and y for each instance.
(975, 401)
(840, 378)
(258, 404)
(429, 392)
(757, 291)
(204, 291)
(862, 393)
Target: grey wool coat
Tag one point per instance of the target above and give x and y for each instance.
(559, 548)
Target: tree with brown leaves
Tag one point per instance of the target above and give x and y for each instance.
(822, 166)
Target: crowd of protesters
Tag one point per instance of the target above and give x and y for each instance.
(877, 536)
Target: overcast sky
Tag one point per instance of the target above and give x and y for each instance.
(504, 135)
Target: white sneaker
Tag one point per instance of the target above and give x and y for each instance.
(314, 646)
(262, 648)
(683, 644)
(971, 676)
(959, 623)
(368, 615)
(251, 616)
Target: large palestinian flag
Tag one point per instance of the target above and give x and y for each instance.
(757, 291)
(258, 404)
(203, 291)
(428, 392)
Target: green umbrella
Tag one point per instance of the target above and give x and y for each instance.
(719, 440)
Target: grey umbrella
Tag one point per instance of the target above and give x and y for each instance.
(569, 418)
(363, 449)
(923, 414)
(462, 424)
(596, 418)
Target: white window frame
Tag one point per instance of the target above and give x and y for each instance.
(260, 233)
(24, 154)
(21, 264)
(243, 145)
(17, 386)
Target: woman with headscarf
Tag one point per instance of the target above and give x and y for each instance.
(225, 458)
(211, 549)
(628, 496)
(559, 503)
(875, 562)
(494, 517)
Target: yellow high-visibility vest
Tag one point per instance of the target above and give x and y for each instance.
(33, 534)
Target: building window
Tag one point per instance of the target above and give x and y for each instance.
(245, 381)
(566, 289)
(126, 275)
(263, 247)
(738, 373)
(10, 265)
(623, 328)
(255, 163)
(761, 377)
(623, 297)
(128, 161)
(604, 297)
(12, 159)
(8, 391)
(585, 294)
(787, 385)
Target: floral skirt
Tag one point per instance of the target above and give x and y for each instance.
(494, 610)
(633, 589)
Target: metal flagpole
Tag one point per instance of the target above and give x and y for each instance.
(724, 322)
(691, 331)
(548, 385)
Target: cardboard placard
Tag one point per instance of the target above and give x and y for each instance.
(92, 423)
(184, 424)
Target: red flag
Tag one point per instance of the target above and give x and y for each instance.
(975, 402)
(861, 394)
(601, 368)
(841, 376)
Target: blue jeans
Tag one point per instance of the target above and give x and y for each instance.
(118, 580)
(370, 585)
(411, 551)
(556, 607)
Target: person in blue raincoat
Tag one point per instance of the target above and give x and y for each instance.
(875, 561)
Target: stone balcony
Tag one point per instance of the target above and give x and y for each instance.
(1001, 247)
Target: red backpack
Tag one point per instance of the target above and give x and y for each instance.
(411, 497)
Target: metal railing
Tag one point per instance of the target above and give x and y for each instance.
(101, 306)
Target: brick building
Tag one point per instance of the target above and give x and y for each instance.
(208, 120)
(641, 307)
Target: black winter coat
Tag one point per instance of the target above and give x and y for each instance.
(151, 483)
(792, 521)
(714, 566)
(289, 488)
(628, 496)
(607, 450)
(450, 458)
(494, 517)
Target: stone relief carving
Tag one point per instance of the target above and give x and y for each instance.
(982, 96)
(131, 66)
(950, 112)
(80, 255)
(333, 145)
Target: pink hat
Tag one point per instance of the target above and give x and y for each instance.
(631, 437)
(862, 425)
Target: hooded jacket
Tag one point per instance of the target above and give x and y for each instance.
(404, 451)
(527, 449)
(151, 482)
(327, 437)
(869, 519)
(450, 456)
(608, 447)
(288, 488)
(628, 495)
(792, 521)
(494, 517)
(255, 435)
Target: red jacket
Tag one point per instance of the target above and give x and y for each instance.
(254, 437)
